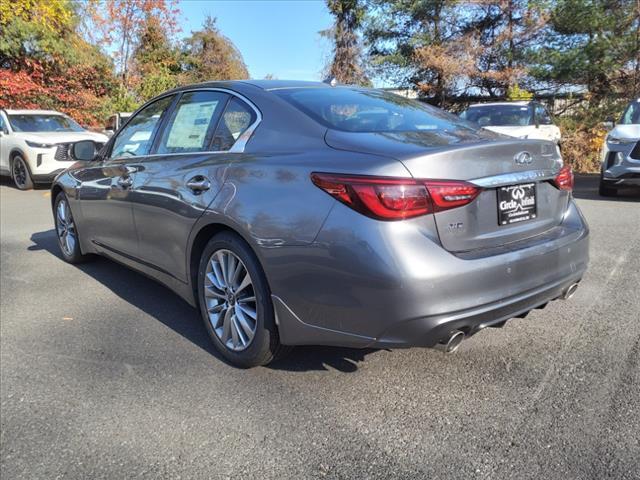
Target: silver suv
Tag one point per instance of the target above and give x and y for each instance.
(621, 153)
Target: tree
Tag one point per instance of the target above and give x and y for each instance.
(121, 24)
(155, 63)
(209, 55)
(594, 44)
(504, 31)
(346, 64)
(411, 42)
(45, 63)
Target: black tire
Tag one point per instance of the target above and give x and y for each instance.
(70, 253)
(20, 173)
(605, 190)
(265, 345)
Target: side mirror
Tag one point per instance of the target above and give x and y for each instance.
(609, 123)
(84, 150)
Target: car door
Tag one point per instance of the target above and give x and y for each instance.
(174, 186)
(105, 189)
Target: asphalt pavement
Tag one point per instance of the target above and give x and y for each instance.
(106, 374)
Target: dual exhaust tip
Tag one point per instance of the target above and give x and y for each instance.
(451, 343)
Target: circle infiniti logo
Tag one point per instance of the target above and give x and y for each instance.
(517, 193)
(523, 158)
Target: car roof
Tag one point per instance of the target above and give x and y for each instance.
(522, 103)
(32, 112)
(240, 85)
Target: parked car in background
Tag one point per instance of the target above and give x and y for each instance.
(526, 119)
(296, 213)
(34, 145)
(621, 152)
(115, 121)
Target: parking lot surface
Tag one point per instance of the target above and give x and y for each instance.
(106, 374)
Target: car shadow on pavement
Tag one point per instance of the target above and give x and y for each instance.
(151, 297)
(586, 188)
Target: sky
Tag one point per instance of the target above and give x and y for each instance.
(277, 37)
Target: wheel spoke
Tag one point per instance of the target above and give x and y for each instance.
(251, 299)
(235, 340)
(246, 281)
(211, 277)
(231, 268)
(249, 311)
(222, 261)
(247, 329)
(217, 271)
(226, 326)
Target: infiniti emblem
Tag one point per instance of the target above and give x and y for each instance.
(517, 193)
(523, 158)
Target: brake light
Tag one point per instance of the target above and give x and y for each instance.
(564, 179)
(386, 198)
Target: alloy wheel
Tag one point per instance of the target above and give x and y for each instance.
(19, 172)
(65, 227)
(230, 300)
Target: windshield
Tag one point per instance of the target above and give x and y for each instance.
(363, 110)
(43, 123)
(631, 115)
(500, 115)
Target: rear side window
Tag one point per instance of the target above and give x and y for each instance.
(237, 117)
(192, 123)
(363, 110)
(136, 138)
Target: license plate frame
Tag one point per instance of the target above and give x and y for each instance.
(517, 203)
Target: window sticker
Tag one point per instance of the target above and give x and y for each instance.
(190, 125)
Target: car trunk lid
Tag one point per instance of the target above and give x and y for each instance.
(525, 168)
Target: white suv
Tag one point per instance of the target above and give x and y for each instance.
(524, 119)
(34, 144)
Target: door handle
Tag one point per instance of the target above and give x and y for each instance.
(199, 184)
(125, 182)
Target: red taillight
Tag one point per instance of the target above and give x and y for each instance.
(387, 198)
(564, 179)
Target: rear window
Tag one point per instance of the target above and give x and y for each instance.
(364, 110)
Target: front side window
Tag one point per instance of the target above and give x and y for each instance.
(43, 123)
(500, 115)
(237, 117)
(137, 137)
(192, 123)
(631, 115)
(363, 110)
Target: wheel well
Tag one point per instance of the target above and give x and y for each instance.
(199, 243)
(55, 190)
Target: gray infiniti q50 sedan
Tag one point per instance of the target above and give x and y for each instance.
(296, 213)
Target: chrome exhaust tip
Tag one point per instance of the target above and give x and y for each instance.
(569, 292)
(451, 343)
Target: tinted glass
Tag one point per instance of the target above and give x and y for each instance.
(2, 127)
(237, 117)
(631, 115)
(43, 123)
(137, 137)
(500, 115)
(543, 115)
(192, 123)
(362, 110)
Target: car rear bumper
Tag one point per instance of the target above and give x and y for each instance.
(389, 286)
